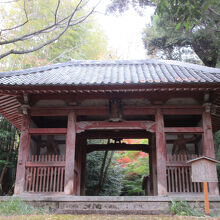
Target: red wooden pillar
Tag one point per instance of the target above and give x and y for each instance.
(154, 166)
(70, 154)
(79, 149)
(151, 172)
(83, 169)
(22, 155)
(208, 146)
(160, 154)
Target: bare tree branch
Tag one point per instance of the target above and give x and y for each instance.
(69, 23)
(20, 25)
(27, 36)
(5, 2)
(55, 16)
(48, 28)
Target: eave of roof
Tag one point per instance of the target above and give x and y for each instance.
(106, 76)
(92, 73)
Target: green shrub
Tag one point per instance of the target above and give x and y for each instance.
(18, 207)
(183, 208)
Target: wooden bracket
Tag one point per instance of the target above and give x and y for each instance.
(115, 110)
(208, 107)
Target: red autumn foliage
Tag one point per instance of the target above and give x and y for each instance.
(143, 154)
(124, 160)
(132, 141)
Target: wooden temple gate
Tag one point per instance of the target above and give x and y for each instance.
(54, 173)
(59, 107)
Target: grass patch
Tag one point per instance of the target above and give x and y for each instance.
(103, 217)
(18, 207)
(183, 209)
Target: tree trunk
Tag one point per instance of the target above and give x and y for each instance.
(98, 189)
(1, 177)
(104, 172)
(106, 169)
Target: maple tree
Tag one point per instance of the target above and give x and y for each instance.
(135, 166)
(124, 173)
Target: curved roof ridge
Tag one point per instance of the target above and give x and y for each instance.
(192, 66)
(109, 62)
(67, 73)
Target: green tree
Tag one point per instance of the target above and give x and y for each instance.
(28, 26)
(160, 43)
(135, 166)
(181, 24)
(113, 180)
(217, 151)
(83, 41)
(9, 140)
(173, 40)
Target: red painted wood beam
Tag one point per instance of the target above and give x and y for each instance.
(125, 125)
(47, 131)
(117, 147)
(95, 94)
(9, 115)
(2, 96)
(11, 109)
(103, 110)
(8, 102)
(7, 99)
(183, 129)
(138, 110)
(63, 111)
(126, 134)
(49, 111)
(183, 111)
(45, 164)
(181, 107)
(8, 107)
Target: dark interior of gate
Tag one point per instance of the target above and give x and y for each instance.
(46, 162)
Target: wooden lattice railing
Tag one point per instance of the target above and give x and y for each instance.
(179, 174)
(45, 173)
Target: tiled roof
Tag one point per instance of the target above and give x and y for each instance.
(152, 71)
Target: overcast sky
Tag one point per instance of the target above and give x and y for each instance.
(124, 32)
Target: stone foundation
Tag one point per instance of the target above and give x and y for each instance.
(116, 204)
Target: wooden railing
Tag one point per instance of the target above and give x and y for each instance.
(45, 173)
(179, 175)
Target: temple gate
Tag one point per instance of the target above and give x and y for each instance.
(59, 107)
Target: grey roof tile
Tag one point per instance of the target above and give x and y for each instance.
(112, 72)
(167, 74)
(147, 74)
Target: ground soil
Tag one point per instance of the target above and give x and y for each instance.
(103, 217)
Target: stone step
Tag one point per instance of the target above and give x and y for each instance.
(112, 212)
(113, 208)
